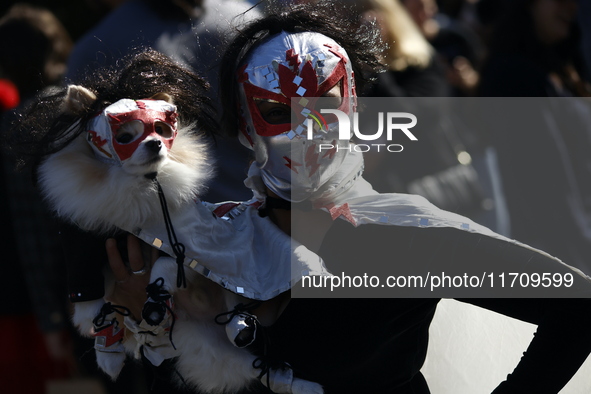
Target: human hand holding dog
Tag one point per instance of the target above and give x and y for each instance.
(130, 287)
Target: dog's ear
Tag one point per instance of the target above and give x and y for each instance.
(163, 96)
(78, 100)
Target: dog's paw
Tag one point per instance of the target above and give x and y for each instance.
(301, 386)
(110, 363)
(84, 313)
(165, 269)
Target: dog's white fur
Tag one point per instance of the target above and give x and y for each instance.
(100, 197)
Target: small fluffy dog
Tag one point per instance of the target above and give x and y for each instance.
(113, 151)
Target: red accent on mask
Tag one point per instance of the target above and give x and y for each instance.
(332, 151)
(96, 139)
(293, 59)
(288, 91)
(98, 142)
(241, 75)
(335, 51)
(291, 164)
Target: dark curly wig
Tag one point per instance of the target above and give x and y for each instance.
(42, 128)
(330, 18)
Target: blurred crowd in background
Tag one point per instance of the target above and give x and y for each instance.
(435, 48)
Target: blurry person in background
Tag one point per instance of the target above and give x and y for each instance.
(35, 47)
(423, 13)
(543, 144)
(412, 68)
(488, 13)
(584, 13)
(192, 32)
(453, 166)
(34, 333)
(536, 52)
(456, 44)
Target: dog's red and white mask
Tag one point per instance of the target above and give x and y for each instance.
(134, 134)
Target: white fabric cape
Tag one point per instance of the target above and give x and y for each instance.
(241, 251)
(250, 256)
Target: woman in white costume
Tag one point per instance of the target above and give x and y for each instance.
(361, 345)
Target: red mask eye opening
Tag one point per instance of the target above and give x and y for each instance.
(128, 132)
(271, 120)
(163, 129)
(274, 113)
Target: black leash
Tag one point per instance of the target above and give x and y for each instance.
(107, 309)
(238, 309)
(177, 247)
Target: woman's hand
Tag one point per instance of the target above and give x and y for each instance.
(130, 280)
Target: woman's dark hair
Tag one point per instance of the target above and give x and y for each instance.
(332, 19)
(42, 128)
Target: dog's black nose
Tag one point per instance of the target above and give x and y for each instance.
(154, 145)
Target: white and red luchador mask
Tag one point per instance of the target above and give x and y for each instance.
(117, 132)
(295, 69)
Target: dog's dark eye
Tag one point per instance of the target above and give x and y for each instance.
(124, 138)
(163, 129)
(129, 131)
